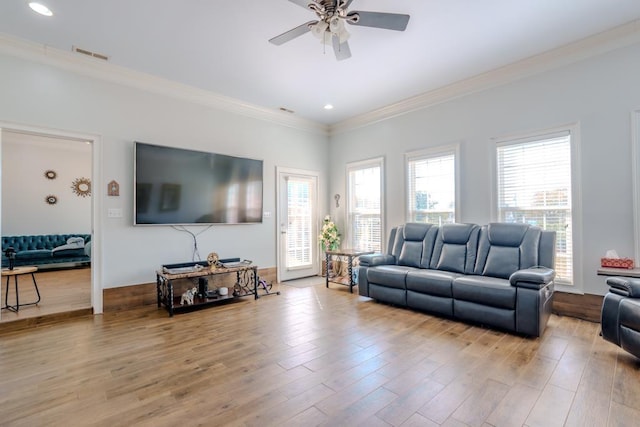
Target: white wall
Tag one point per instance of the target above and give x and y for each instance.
(25, 158)
(598, 93)
(50, 97)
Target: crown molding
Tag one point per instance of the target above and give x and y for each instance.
(99, 69)
(616, 38)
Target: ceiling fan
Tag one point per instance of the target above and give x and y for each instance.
(330, 28)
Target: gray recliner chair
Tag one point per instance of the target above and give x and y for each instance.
(621, 314)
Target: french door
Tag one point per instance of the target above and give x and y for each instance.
(297, 224)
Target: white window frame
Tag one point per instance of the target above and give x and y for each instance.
(354, 166)
(576, 285)
(429, 153)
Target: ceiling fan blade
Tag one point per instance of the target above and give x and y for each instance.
(292, 34)
(341, 50)
(388, 21)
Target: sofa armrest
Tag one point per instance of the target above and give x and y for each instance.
(625, 286)
(376, 259)
(532, 278)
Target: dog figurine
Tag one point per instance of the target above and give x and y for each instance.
(187, 297)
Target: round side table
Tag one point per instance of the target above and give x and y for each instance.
(18, 271)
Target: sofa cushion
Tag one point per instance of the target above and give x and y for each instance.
(430, 303)
(452, 258)
(390, 275)
(73, 247)
(505, 248)
(491, 291)
(68, 252)
(388, 294)
(455, 248)
(630, 313)
(501, 262)
(35, 254)
(432, 282)
(506, 234)
(484, 314)
(413, 235)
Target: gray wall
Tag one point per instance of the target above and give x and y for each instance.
(599, 94)
(51, 97)
(25, 158)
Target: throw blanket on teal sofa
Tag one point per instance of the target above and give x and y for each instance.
(48, 249)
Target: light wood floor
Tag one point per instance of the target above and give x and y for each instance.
(62, 291)
(311, 356)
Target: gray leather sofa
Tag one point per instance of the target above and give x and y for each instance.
(499, 274)
(621, 314)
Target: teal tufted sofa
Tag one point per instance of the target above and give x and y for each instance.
(47, 249)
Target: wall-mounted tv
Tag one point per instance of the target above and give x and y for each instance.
(175, 186)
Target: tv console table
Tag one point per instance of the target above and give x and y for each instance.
(246, 284)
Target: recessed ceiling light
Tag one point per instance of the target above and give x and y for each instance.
(328, 107)
(40, 8)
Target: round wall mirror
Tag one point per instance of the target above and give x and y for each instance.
(82, 187)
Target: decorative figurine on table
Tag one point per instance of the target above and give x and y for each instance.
(10, 253)
(212, 260)
(187, 297)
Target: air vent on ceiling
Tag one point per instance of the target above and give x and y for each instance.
(286, 110)
(89, 53)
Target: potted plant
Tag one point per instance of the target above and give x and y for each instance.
(330, 240)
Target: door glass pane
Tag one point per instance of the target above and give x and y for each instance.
(299, 222)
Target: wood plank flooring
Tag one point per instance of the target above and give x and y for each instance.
(62, 291)
(311, 356)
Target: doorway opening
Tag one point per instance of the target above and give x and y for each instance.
(47, 191)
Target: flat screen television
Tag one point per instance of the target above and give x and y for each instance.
(175, 186)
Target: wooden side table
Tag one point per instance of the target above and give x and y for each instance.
(350, 255)
(18, 271)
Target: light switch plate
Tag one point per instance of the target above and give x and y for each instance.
(114, 213)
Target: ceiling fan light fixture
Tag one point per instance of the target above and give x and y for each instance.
(329, 27)
(337, 27)
(319, 29)
(40, 8)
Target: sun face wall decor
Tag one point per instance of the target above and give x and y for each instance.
(82, 187)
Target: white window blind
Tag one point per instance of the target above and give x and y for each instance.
(431, 187)
(299, 222)
(534, 187)
(365, 205)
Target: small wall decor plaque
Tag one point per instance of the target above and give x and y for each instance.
(51, 199)
(49, 174)
(82, 187)
(113, 188)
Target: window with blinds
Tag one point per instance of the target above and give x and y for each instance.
(364, 210)
(534, 187)
(299, 222)
(431, 184)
